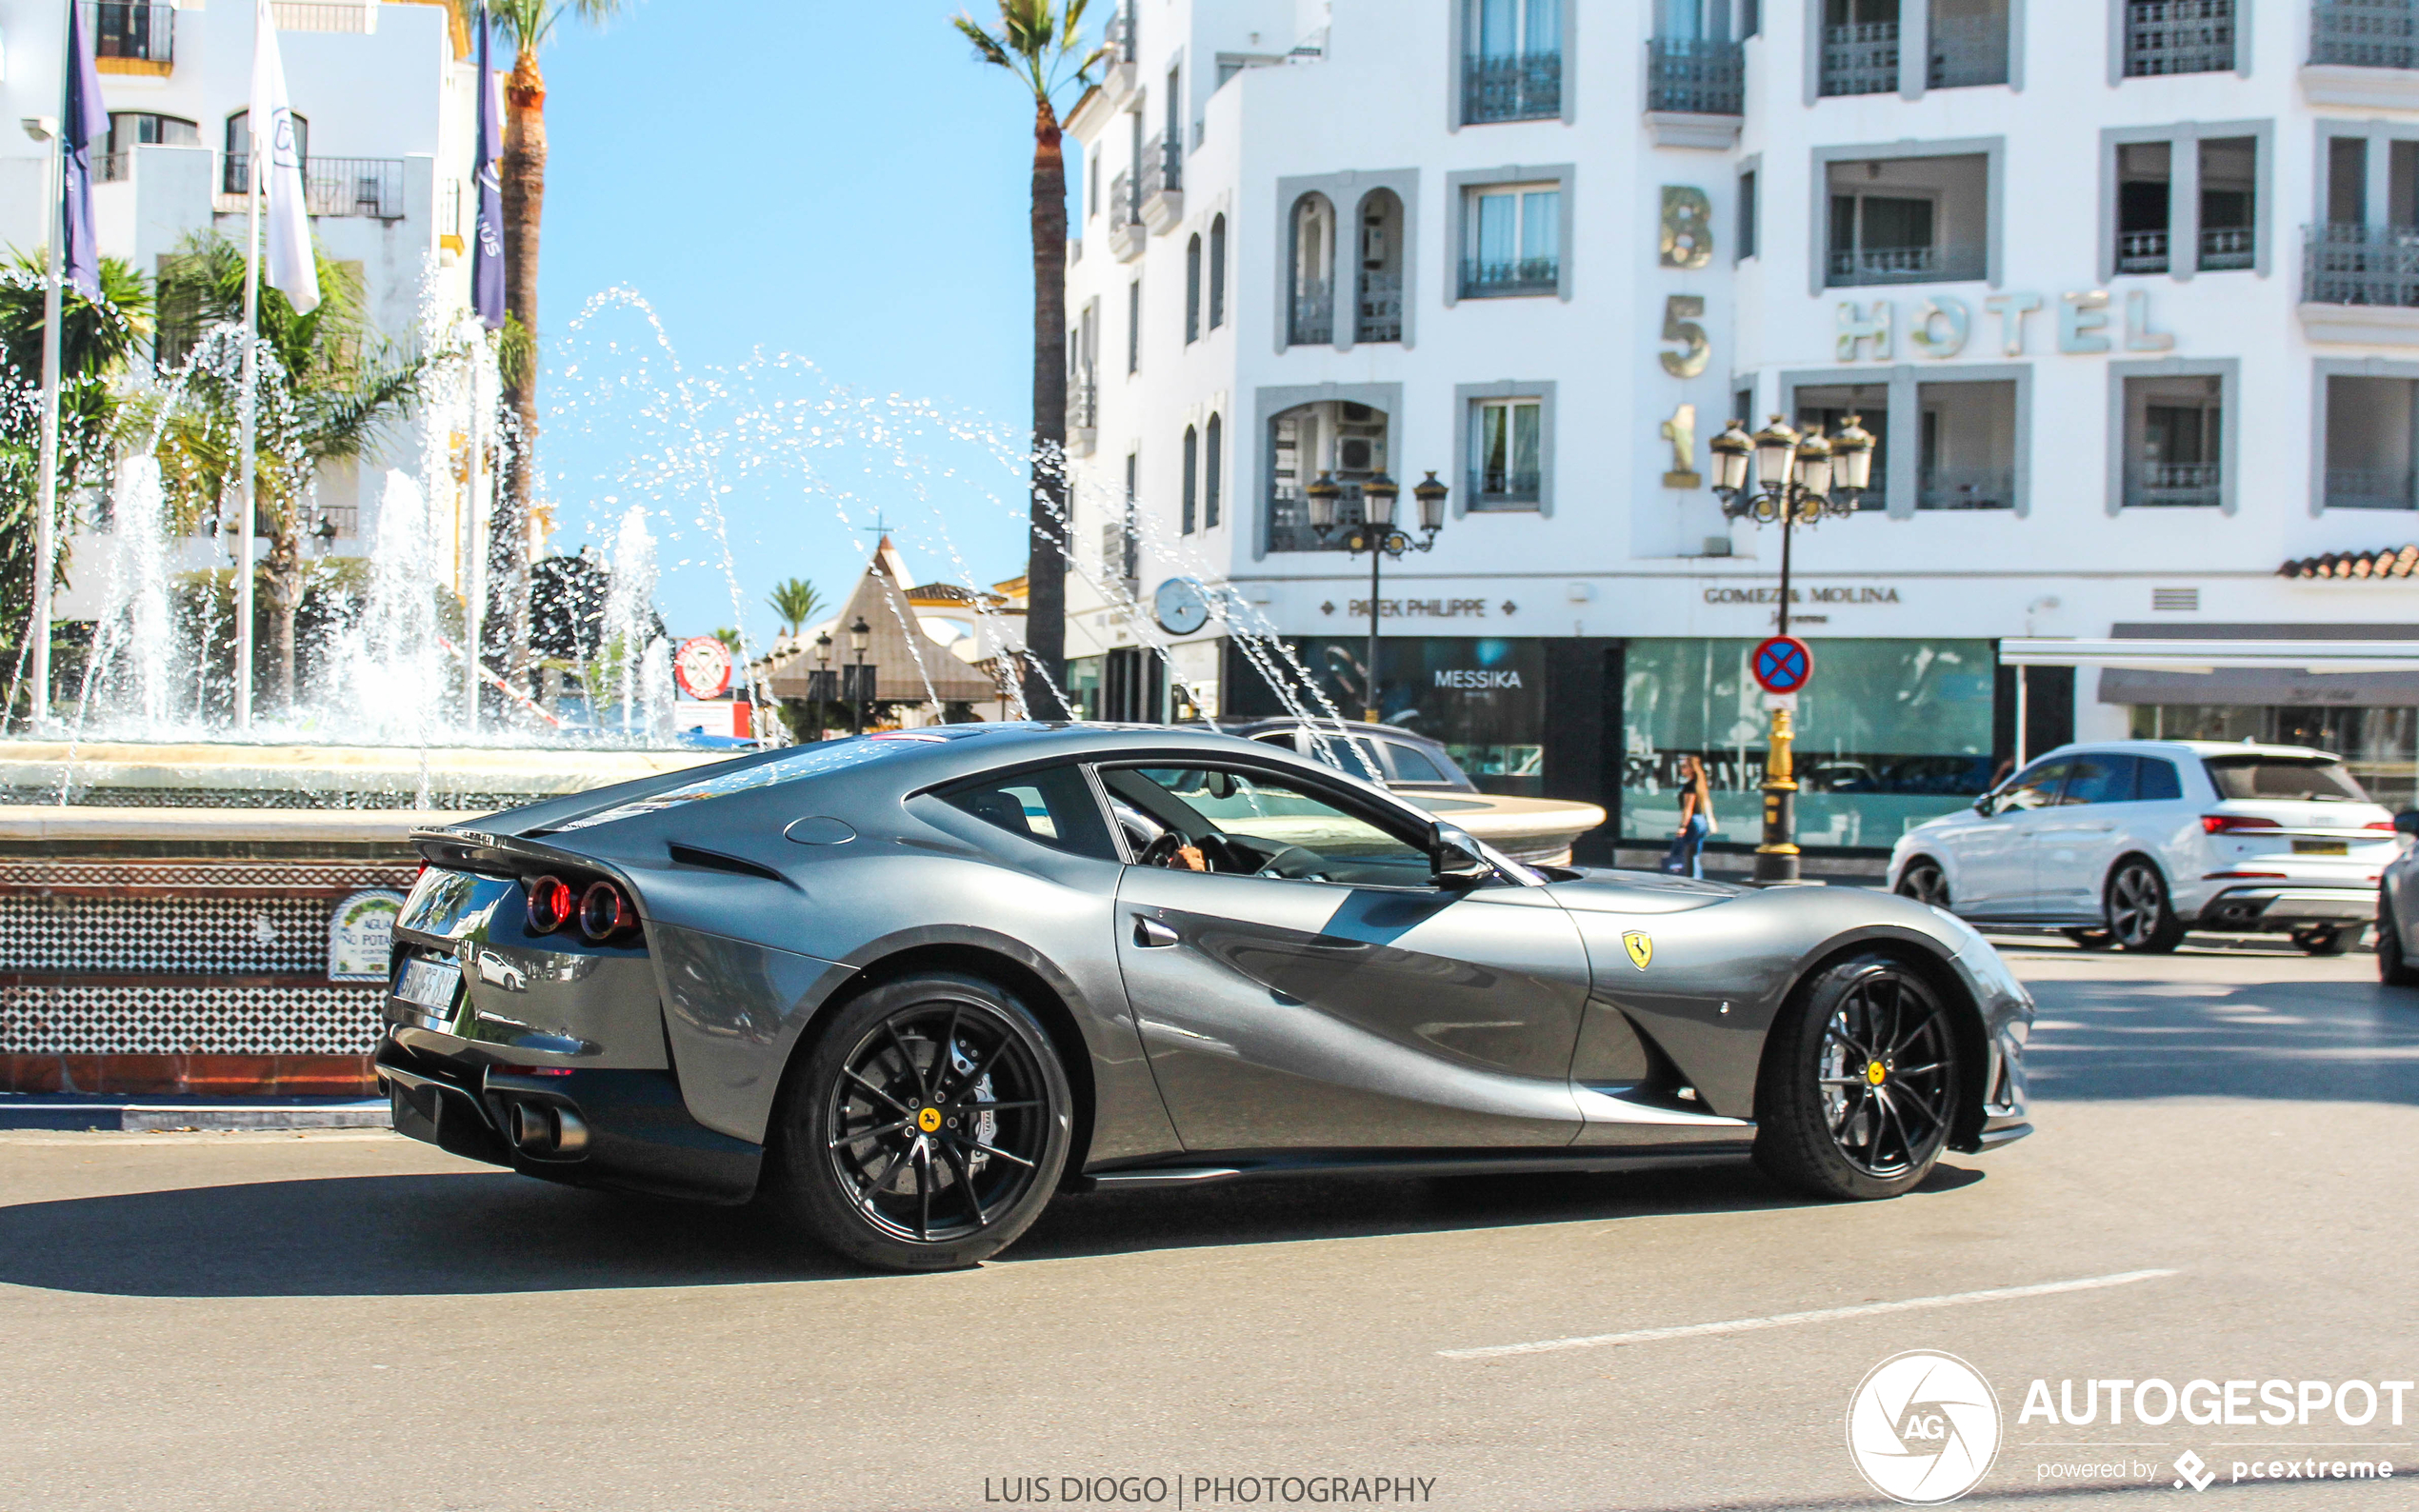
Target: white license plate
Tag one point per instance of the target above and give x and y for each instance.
(429, 984)
(2321, 848)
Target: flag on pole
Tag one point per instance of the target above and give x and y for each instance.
(291, 268)
(487, 246)
(87, 123)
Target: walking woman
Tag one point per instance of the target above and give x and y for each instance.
(1696, 821)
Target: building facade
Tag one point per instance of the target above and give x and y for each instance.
(384, 97)
(2126, 290)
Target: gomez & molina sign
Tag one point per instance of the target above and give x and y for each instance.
(1845, 595)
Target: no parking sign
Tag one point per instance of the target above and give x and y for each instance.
(1782, 664)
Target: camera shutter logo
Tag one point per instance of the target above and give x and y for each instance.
(1924, 1427)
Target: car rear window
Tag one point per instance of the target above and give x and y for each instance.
(2323, 781)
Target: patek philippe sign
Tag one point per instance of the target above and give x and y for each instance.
(1844, 594)
(1422, 608)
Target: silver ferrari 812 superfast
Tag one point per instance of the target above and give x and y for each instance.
(902, 990)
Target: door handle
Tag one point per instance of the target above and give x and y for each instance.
(1150, 934)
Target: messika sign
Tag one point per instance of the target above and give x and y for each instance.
(1942, 325)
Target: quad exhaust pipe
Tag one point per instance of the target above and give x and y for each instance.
(545, 1131)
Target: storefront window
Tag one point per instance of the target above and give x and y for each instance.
(1889, 733)
(1083, 684)
(2379, 745)
(1483, 699)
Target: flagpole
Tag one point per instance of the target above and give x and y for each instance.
(248, 442)
(46, 538)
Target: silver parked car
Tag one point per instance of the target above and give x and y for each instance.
(903, 988)
(2131, 843)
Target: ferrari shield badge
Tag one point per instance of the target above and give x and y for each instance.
(1641, 947)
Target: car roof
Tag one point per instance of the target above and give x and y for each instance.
(2192, 747)
(1333, 726)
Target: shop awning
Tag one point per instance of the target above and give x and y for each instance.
(2235, 672)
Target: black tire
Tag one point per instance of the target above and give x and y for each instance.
(2327, 940)
(924, 1129)
(2136, 908)
(2393, 967)
(1924, 882)
(2090, 939)
(1859, 1086)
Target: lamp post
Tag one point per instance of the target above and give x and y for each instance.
(1376, 535)
(860, 636)
(819, 690)
(1799, 479)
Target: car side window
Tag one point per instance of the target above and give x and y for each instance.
(1054, 806)
(2155, 780)
(1254, 823)
(2037, 786)
(2106, 779)
(1411, 764)
(1343, 752)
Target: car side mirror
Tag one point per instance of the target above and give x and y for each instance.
(1455, 857)
(1982, 806)
(2407, 822)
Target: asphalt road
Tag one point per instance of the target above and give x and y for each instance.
(264, 1322)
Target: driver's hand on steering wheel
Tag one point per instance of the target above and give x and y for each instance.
(1189, 858)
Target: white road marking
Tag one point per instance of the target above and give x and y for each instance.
(1785, 1319)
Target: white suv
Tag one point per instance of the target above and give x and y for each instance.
(2133, 842)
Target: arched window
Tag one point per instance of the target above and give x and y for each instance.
(1213, 437)
(1377, 307)
(1312, 320)
(239, 147)
(1192, 479)
(1192, 290)
(1217, 271)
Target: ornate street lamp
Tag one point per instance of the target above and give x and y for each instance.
(1799, 479)
(860, 636)
(1376, 535)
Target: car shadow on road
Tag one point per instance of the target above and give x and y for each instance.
(2100, 1038)
(479, 1232)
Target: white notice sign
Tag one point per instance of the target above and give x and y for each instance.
(361, 936)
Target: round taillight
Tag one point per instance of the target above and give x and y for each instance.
(604, 912)
(552, 904)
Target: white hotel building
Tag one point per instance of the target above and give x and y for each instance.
(386, 91)
(2127, 289)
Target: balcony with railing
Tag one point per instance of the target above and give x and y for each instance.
(2370, 488)
(1514, 87)
(2175, 484)
(132, 38)
(1502, 488)
(1120, 551)
(1968, 51)
(1162, 183)
(1690, 76)
(1311, 318)
(1126, 232)
(1859, 58)
(2225, 248)
(2142, 253)
(1483, 279)
(369, 186)
(1378, 313)
(2360, 264)
(355, 16)
(1970, 488)
(2178, 36)
(1083, 414)
(1905, 264)
(2364, 34)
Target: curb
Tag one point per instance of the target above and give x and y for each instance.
(140, 1119)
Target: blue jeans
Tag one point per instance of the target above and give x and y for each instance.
(1682, 858)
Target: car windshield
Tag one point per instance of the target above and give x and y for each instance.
(2320, 780)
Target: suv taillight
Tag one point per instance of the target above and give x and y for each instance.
(2228, 824)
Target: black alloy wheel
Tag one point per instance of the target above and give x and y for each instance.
(1859, 1087)
(2325, 939)
(2139, 917)
(2394, 968)
(928, 1127)
(1924, 882)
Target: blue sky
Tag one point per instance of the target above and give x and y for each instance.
(786, 184)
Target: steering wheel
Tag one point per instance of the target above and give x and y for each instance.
(1162, 851)
(1223, 854)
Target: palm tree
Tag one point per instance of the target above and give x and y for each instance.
(95, 342)
(328, 388)
(1038, 42)
(796, 602)
(527, 25)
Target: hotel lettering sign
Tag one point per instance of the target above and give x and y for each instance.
(1844, 594)
(1943, 324)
